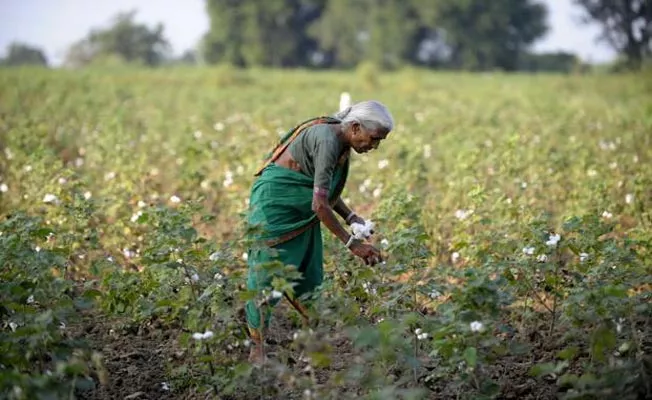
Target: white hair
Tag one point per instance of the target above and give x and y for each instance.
(371, 114)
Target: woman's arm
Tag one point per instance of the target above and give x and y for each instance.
(341, 208)
(326, 215)
(344, 211)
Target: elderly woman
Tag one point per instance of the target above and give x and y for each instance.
(298, 188)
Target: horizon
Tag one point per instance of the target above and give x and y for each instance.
(37, 23)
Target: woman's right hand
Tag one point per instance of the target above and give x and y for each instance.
(368, 253)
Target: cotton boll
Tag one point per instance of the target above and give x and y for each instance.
(345, 100)
(361, 231)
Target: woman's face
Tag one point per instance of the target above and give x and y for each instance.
(364, 140)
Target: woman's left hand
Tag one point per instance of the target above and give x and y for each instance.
(356, 218)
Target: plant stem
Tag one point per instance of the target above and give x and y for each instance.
(534, 294)
(416, 339)
(555, 294)
(210, 366)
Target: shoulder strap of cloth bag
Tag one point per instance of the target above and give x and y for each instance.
(289, 137)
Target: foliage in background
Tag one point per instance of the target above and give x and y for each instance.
(514, 213)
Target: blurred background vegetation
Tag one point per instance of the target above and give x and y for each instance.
(470, 35)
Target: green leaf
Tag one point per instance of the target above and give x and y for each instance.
(83, 303)
(568, 353)
(542, 369)
(471, 356)
(92, 294)
(42, 233)
(602, 339)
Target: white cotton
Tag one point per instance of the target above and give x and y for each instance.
(198, 336)
(13, 326)
(553, 240)
(345, 100)
(476, 326)
(463, 214)
(427, 151)
(276, 294)
(584, 257)
(417, 331)
(434, 294)
(383, 164)
(197, 135)
(361, 231)
(4, 188)
(87, 195)
(109, 175)
(195, 277)
(218, 126)
(135, 216)
(228, 180)
(62, 181)
(175, 199)
(455, 256)
(50, 199)
(528, 250)
(606, 214)
(141, 204)
(245, 256)
(629, 198)
(214, 256)
(384, 243)
(30, 299)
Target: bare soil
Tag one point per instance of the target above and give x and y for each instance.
(139, 360)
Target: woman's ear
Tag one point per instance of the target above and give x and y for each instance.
(355, 128)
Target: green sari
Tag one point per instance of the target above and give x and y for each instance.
(281, 208)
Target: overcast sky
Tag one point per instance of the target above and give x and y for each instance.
(54, 24)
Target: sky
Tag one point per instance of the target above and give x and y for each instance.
(53, 25)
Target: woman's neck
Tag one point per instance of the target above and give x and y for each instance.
(342, 136)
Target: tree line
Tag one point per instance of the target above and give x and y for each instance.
(476, 35)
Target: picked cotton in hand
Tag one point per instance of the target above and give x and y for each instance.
(361, 231)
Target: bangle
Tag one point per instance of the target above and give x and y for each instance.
(350, 241)
(351, 215)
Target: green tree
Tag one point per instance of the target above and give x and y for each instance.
(225, 40)
(626, 26)
(380, 31)
(125, 40)
(486, 35)
(24, 54)
(269, 32)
